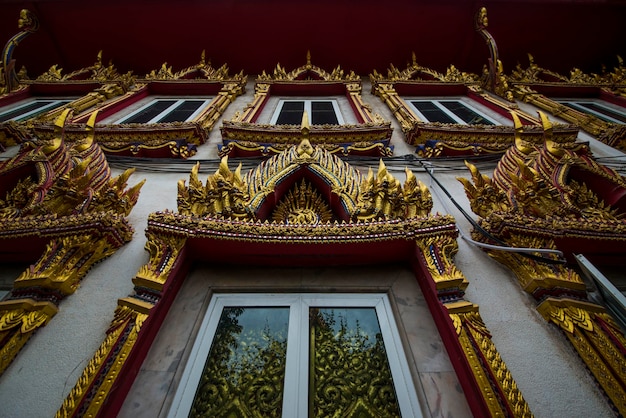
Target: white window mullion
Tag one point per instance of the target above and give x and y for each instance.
(292, 384)
(165, 112)
(449, 112)
(409, 406)
(199, 110)
(190, 379)
(41, 109)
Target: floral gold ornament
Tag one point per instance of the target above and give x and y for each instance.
(29, 24)
(105, 91)
(541, 88)
(435, 139)
(557, 197)
(62, 198)
(304, 202)
(244, 136)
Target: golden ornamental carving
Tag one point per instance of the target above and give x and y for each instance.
(598, 340)
(525, 83)
(486, 362)
(19, 318)
(550, 197)
(438, 253)
(533, 182)
(164, 252)
(230, 194)
(243, 136)
(9, 79)
(108, 360)
(434, 139)
(382, 196)
(201, 72)
(417, 72)
(175, 139)
(224, 193)
(308, 72)
(64, 196)
(286, 200)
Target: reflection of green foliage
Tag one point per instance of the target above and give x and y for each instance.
(244, 373)
(351, 371)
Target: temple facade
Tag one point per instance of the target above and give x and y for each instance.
(308, 238)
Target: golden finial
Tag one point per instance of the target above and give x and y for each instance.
(59, 125)
(308, 59)
(547, 136)
(91, 133)
(481, 19)
(203, 57)
(304, 147)
(519, 129)
(305, 127)
(98, 63)
(547, 126)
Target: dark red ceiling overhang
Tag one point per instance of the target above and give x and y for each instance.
(359, 35)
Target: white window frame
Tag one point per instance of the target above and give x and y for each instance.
(296, 387)
(56, 102)
(574, 104)
(307, 108)
(436, 102)
(178, 101)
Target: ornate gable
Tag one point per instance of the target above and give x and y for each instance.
(245, 136)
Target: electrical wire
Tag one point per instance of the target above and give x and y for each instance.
(503, 246)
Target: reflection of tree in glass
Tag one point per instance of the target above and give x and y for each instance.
(245, 370)
(351, 375)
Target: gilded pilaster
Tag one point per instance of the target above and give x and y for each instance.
(93, 386)
(103, 371)
(500, 393)
(598, 340)
(19, 319)
(536, 200)
(489, 369)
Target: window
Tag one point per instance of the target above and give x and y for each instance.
(450, 111)
(598, 109)
(297, 355)
(30, 109)
(321, 112)
(166, 110)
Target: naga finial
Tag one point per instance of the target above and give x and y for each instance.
(519, 129)
(59, 126)
(91, 132)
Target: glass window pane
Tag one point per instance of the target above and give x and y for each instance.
(432, 113)
(149, 112)
(349, 370)
(466, 114)
(601, 111)
(245, 370)
(15, 113)
(291, 113)
(323, 113)
(183, 111)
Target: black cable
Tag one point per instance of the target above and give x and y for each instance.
(482, 230)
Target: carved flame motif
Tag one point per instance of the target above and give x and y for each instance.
(230, 194)
(382, 196)
(303, 205)
(223, 194)
(534, 182)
